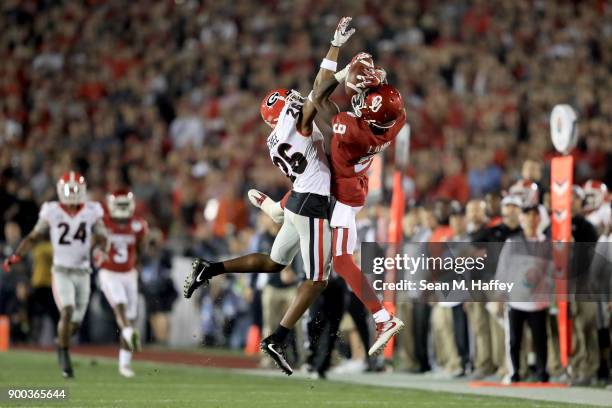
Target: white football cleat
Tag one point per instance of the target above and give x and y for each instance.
(384, 332)
(267, 205)
(126, 372)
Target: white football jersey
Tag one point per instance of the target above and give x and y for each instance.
(71, 235)
(301, 158)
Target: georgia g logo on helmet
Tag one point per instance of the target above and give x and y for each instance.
(272, 99)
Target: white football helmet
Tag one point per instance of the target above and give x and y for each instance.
(72, 189)
(121, 204)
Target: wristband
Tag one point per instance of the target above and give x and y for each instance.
(329, 65)
(341, 75)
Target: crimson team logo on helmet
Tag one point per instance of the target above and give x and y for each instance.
(71, 188)
(527, 191)
(272, 106)
(121, 204)
(379, 107)
(595, 193)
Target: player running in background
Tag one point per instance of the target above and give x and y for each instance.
(377, 117)
(118, 275)
(75, 226)
(297, 149)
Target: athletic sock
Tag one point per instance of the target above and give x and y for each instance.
(127, 333)
(381, 316)
(64, 358)
(280, 334)
(216, 268)
(125, 358)
(347, 269)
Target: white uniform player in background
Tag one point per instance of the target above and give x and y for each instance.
(75, 226)
(297, 148)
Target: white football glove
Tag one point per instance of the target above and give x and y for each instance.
(342, 33)
(266, 204)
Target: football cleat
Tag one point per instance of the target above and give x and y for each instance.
(126, 372)
(267, 205)
(276, 351)
(385, 332)
(63, 358)
(198, 277)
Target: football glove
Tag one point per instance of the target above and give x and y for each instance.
(11, 260)
(267, 205)
(99, 257)
(342, 33)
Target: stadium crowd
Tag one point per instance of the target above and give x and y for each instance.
(163, 97)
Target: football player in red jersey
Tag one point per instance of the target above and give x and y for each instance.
(118, 275)
(377, 116)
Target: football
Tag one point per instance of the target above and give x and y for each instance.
(359, 65)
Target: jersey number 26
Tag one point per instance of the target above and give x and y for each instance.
(297, 162)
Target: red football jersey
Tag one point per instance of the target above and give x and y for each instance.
(124, 238)
(353, 147)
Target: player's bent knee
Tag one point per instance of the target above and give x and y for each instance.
(321, 285)
(272, 266)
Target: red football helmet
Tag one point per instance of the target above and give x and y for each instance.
(121, 204)
(72, 189)
(595, 193)
(379, 107)
(527, 191)
(272, 106)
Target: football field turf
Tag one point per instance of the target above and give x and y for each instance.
(97, 384)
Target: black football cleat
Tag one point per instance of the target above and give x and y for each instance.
(276, 351)
(68, 373)
(198, 276)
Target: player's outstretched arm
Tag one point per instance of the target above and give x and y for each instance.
(325, 83)
(23, 248)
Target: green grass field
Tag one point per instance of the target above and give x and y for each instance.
(97, 384)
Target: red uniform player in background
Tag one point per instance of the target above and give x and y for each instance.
(118, 275)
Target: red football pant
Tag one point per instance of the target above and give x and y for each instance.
(345, 267)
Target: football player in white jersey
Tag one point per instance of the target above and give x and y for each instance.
(297, 148)
(75, 225)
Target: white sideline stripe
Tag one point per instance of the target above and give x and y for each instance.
(431, 382)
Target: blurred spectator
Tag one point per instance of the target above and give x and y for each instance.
(41, 303)
(157, 285)
(17, 311)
